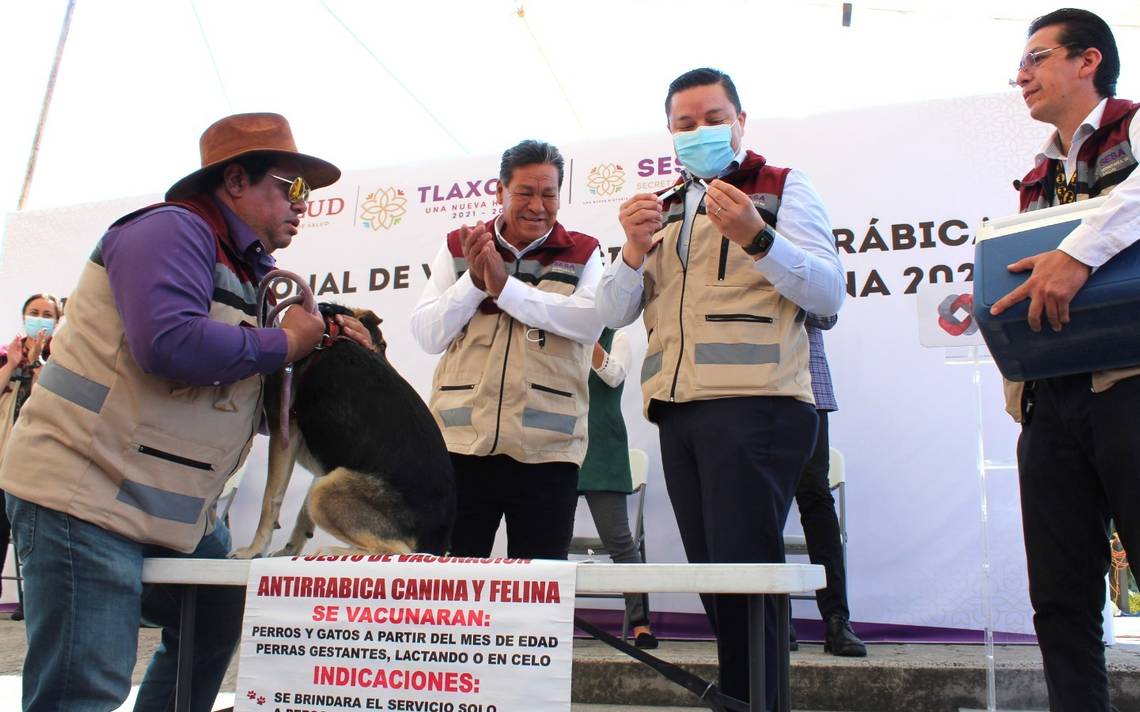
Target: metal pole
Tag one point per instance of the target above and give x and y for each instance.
(47, 103)
(757, 662)
(186, 632)
(987, 574)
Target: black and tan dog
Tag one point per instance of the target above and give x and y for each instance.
(384, 481)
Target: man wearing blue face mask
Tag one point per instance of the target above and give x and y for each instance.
(723, 269)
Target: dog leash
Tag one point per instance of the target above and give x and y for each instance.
(267, 318)
(707, 692)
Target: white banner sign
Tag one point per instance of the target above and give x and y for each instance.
(412, 632)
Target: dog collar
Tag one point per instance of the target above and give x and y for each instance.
(332, 334)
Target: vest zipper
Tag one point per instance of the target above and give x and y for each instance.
(503, 375)
(457, 388)
(681, 304)
(548, 389)
(723, 265)
(177, 459)
(502, 384)
(739, 317)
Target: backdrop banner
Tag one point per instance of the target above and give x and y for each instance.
(906, 187)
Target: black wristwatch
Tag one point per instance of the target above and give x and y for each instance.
(762, 242)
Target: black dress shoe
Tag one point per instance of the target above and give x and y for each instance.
(645, 641)
(18, 613)
(793, 643)
(841, 640)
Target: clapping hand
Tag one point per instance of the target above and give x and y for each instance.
(35, 347)
(473, 240)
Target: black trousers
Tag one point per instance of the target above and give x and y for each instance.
(731, 467)
(1079, 466)
(538, 502)
(821, 525)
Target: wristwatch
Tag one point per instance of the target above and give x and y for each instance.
(762, 242)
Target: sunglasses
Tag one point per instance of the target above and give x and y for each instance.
(298, 188)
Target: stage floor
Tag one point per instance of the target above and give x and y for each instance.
(604, 677)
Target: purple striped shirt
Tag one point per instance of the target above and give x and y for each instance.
(161, 269)
(821, 386)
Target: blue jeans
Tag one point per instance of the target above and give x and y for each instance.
(85, 599)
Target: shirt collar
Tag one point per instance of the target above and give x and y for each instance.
(244, 238)
(737, 161)
(517, 253)
(242, 234)
(1052, 147)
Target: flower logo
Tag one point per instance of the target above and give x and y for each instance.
(383, 208)
(606, 179)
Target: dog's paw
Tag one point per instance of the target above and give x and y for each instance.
(290, 549)
(246, 552)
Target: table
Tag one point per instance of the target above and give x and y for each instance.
(757, 581)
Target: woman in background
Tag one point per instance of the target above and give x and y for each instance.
(19, 368)
(604, 477)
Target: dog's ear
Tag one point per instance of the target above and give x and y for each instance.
(367, 317)
(372, 323)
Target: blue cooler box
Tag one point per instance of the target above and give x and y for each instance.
(1104, 328)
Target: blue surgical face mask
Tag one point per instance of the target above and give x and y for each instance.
(706, 150)
(33, 325)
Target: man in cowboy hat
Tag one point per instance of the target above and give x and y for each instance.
(151, 401)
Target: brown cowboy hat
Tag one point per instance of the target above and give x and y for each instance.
(245, 134)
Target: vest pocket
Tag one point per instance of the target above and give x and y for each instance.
(167, 477)
(732, 267)
(550, 417)
(452, 403)
(547, 343)
(729, 350)
(555, 391)
(754, 318)
(177, 459)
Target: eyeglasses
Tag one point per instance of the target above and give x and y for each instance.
(1033, 59)
(298, 188)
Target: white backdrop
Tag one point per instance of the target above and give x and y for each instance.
(908, 422)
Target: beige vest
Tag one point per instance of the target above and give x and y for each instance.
(504, 387)
(719, 328)
(7, 414)
(135, 454)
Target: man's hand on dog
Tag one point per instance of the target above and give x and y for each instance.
(352, 328)
(303, 331)
(473, 239)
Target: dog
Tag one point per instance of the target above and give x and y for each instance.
(384, 481)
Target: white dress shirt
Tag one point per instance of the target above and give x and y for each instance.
(618, 361)
(1114, 225)
(802, 264)
(447, 303)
